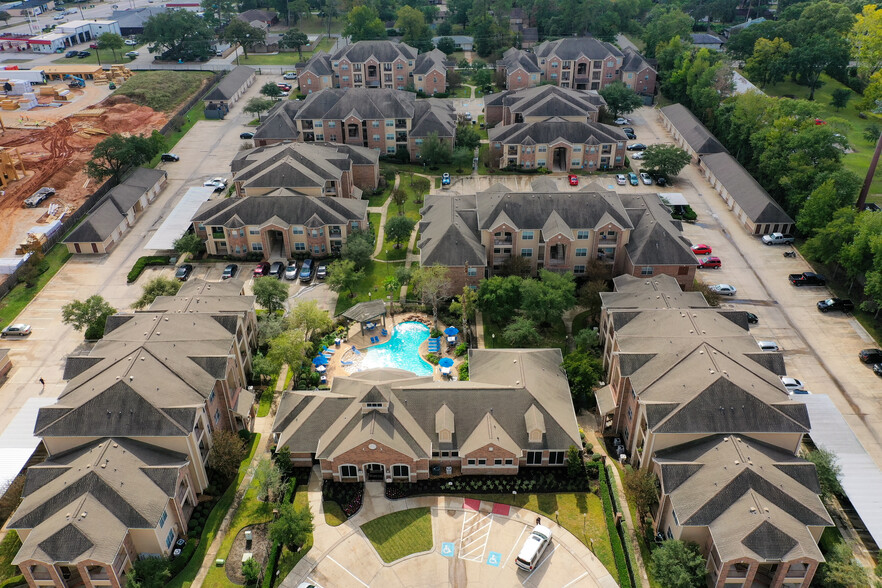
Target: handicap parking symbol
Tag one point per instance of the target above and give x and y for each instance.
(447, 549)
(493, 559)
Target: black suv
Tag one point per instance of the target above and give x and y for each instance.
(184, 272)
(277, 269)
(835, 304)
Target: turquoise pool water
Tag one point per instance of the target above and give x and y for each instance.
(400, 351)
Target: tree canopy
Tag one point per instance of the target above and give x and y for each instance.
(665, 159)
(115, 154)
(179, 35)
(294, 39)
(398, 229)
(239, 31)
(89, 314)
(270, 293)
(679, 565)
(158, 286)
(620, 99)
(363, 24)
(343, 276)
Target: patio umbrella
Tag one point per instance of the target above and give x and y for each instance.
(321, 368)
(451, 331)
(320, 360)
(446, 362)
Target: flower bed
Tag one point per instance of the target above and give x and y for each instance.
(349, 495)
(526, 480)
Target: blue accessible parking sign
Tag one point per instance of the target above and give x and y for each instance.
(447, 549)
(494, 559)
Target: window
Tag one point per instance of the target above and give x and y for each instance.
(646, 271)
(211, 397)
(509, 461)
(308, 81)
(419, 78)
(390, 149)
(579, 269)
(400, 471)
(540, 162)
(482, 461)
(417, 141)
(332, 137)
(390, 137)
(163, 518)
(252, 231)
(390, 123)
(534, 457)
(344, 67)
(454, 454)
(376, 137)
(527, 252)
(581, 252)
(399, 66)
(527, 235)
(348, 471)
(583, 234)
(400, 78)
(332, 124)
(470, 462)
(299, 246)
(555, 457)
(577, 148)
(257, 246)
(355, 225)
(345, 78)
(497, 462)
(683, 270)
(630, 413)
(576, 163)
(554, 76)
(472, 272)
(169, 538)
(445, 454)
(216, 416)
(317, 124)
(319, 137)
(375, 124)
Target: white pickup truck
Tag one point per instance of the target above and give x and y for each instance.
(777, 239)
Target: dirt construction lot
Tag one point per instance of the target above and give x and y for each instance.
(55, 156)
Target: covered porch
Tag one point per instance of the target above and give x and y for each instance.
(366, 314)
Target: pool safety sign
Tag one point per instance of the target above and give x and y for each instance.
(494, 559)
(447, 549)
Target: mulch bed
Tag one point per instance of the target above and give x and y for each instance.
(259, 547)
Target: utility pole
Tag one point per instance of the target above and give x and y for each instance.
(865, 190)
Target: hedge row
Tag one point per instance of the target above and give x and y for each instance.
(614, 538)
(144, 262)
(630, 559)
(275, 553)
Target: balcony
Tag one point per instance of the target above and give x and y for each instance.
(608, 239)
(503, 242)
(335, 233)
(218, 234)
(550, 262)
(331, 191)
(306, 125)
(512, 150)
(203, 452)
(400, 123)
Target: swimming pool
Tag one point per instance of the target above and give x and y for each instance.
(400, 351)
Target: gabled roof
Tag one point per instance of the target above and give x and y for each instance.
(449, 232)
(706, 39)
(757, 500)
(278, 124)
(292, 210)
(745, 190)
(433, 115)
(634, 62)
(363, 103)
(319, 64)
(557, 129)
(263, 16)
(79, 505)
(382, 51)
(514, 59)
(660, 291)
(231, 83)
(547, 101)
(656, 239)
(572, 48)
(432, 60)
(144, 177)
(694, 133)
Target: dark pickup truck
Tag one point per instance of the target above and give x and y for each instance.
(807, 279)
(835, 304)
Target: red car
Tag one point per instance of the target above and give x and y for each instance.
(710, 262)
(702, 249)
(574, 180)
(262, 269)
(284, 87)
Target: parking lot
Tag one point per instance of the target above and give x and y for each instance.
(471, 548)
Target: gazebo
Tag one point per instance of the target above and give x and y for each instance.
(367, 312)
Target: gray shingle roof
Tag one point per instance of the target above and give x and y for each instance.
(745, 190)
(694, 133)
(449, 232)
(231, 83)
(295, 210)
(432, 60)
(555, 128)
(278, 124)
(547, 101)
(655, 239)
(382, 51)
(363, 103)
(319, 64)
(572, 48)
(433, 115)
(144, 177)
(706, 39)
(514, 59)
(633, 61)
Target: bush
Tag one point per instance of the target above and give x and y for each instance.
(461, 349)
(432, 358)
(464, 371)
(179, 563)
(618, 550)
(143, 262)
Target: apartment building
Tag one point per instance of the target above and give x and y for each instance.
(541, 103)
(475, 234)
(389, 424)
(384, 120)
(279, 226)
(289, 169)
(376, 64)
(582, 63)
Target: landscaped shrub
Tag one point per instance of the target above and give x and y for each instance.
(432, 358)
(461, 349)
(526, 480)
(614, 537)
(349, 495)
(144, 262)
(180, 562)
(464, 371)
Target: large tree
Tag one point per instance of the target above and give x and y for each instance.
(819, 53)
(583, 371)
(294, 39)
(110, 41)
(768, 64)
(149, 572)
(293, 526)
(398, 229)
(836, 191)
(290, 348)
(665, 159)
(620, 99)
(641, 485)
(226, 454)
(363, 24)
(89, 315)
(829, 472)
(499, 297)
(179, 35)
(115, 154)
(257, 105)
(433, 283)
(679, 564)
(189, 243)
(271, 293)
(412, 24)
(311, 319)
(271, 90)
(866, 40)
(435, 151)
(546, 299)
(467, 136)
(343, 276)
(158, 286)
(665, 22)
(239, 31)
(358, 248)
(521, 332)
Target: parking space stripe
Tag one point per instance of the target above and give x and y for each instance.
(515, 546)
(576, 580)
(474, 536)
(350, 573)
(541, 563)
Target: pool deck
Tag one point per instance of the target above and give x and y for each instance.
(363, 343)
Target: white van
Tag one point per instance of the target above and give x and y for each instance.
(533, 549)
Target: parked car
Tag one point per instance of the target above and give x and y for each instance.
(872, 207)
(628, 129)
(217, 183)
(132, 54)
(877, 369)
(752, 319)
(632, 178)
(468, 116)
(870, 355)
(835, 304)
(710, 263)
(702, 249)
(276, 270)
(621, 180)
(791, 384)
(321, 272)
(630, 134)
(230, 271)
(184, 272)
(638, 155)
(306, 271)
(284, 87)
(533, 548)
(622, 121)
(262, 269)
(291, 271)
(445, 179)
(768, 346)
(130, 42)
(778, 239)
(70, 54)
(93, 45)
(647, 179)
(169, 157)
(660, 180)
(724, 289)
(807, 279)
(16, 330)
(58, 17)
(83, 54)
(39, 196)
(573, 179)
(246, 135)
(636, 147)
(290, 75)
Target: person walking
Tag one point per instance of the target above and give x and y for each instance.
(42, 382)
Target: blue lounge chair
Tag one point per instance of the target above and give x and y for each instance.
(384, 333)
(345, 363)
(328, 350)
(355, 351)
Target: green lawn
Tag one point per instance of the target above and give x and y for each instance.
(289, 58)
(334, 515)
(315, 25)
(554, 336)
(379, 199)
(15, 301)
(289, 559)
(266, 402)
(854, 126)
(212, 525)
(461, 92)
(372, 282)
(8, 548)
(401, 533)
(483, 150)
(411, 207)
(580, 513)
(163, 90)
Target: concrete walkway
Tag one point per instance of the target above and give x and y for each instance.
(479, 328)
(327, 538)
(383, 210)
